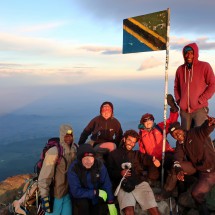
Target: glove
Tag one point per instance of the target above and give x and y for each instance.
(46, 204)
(171, 102)
(112, 209)
(177, 167)
(103, 195)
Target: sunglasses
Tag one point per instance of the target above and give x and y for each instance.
(148, 119)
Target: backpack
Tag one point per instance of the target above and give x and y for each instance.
(30, 198)
(55, 141)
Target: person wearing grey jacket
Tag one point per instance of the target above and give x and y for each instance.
(61, 203)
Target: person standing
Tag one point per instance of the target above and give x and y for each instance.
(194, 85)
(61, 204)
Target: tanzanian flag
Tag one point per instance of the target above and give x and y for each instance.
(145, 33)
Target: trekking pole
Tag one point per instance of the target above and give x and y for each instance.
(127, 166)
(118, 187)
(170, 205)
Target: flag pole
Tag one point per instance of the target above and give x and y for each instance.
(165, 96)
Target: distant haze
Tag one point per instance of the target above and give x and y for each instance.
(24, 129)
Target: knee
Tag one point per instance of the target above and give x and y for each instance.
(129, 210)
(198, 196)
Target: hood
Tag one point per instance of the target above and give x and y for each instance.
(195, 50)
(65, 129)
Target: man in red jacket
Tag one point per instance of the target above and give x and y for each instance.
(194, 86)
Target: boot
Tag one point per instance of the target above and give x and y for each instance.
(171, 102)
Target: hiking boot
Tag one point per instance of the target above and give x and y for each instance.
(171, 102)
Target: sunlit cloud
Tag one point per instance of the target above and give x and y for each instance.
(103, 49)
(149, 63)
(41, 27)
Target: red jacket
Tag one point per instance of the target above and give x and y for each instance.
(151, 142)
(193, 88)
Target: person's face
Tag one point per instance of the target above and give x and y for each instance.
(88, 161)
(188, 57)
(148, 123)
(106, 111)
(179, 135)
(130, 142)
(68, 138)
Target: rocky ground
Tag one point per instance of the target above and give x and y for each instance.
(11, 189)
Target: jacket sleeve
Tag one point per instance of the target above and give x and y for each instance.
(113, 168)
(141, 144)
(210, 81)
(47, 172)
(118, 133)
(106, 184)
(173, 117)
(153, 172)
(177, 89)
(75, 188)
(86, 132)
(179, 152)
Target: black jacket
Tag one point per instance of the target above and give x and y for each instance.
(102, 130)
(197, 148)
(140, 163)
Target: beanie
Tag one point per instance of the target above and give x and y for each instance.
(174, 126)
(106, 103)
(187, 48)
(145, 117)
(85, 150)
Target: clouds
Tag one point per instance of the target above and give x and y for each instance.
(185, 16)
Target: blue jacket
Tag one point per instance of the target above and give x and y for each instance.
(81, 183)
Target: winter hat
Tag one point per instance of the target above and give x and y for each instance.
(174, 126)
(145, 117)
(85, 150)
(65, 129)
(106, 103)
(187, 48)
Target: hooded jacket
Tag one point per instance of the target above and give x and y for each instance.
(83, 182)
(197, 149)
(59, 172)
(193, 88)
(151, 142)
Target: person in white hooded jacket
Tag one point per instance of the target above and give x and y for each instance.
(61, 202)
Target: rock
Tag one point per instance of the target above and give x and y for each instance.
(11, 189)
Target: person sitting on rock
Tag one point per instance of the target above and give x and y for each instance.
(129, 164)
(105, 131)
(151, 134)
(199, 153)
(90, 185)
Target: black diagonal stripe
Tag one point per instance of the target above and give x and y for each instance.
(144, 34)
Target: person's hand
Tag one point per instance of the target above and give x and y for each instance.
(211, 121)
(125, 173)
(180, 175)
(156, 162)
(46, 204)
(112, 209)
(103, 195)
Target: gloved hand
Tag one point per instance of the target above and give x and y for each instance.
(177, 167)
(112, 209)
(103, 195)
(171, 102)
(46, 204)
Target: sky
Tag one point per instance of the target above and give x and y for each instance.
(68, 42)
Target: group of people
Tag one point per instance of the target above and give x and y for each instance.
(87, 176)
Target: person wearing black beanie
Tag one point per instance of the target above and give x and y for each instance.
(105, 131)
